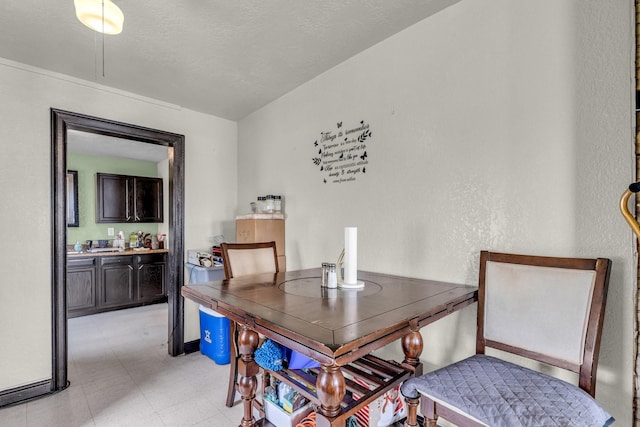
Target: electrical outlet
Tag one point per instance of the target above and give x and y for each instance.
(110, 231)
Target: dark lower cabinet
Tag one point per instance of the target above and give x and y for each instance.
(104, 283)
(81, 289)
(150, 277)
(116, 274)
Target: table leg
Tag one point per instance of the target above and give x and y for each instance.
(412, 347)
(247, 370)
(331, 389)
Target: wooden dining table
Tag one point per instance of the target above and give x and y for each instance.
(332, 326)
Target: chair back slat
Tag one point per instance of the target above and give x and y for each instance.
(243, 259)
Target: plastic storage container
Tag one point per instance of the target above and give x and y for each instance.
(215, 338)
(280, 418)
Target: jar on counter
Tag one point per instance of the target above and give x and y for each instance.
(133, 240)
(277, 204)
(269, 204)
(260, 204)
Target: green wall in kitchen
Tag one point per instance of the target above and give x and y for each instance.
(87, 167)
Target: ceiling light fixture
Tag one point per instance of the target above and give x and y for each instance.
(102, 16)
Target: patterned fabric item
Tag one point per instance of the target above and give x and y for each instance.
(383, 411)
(269, 355)
(502, 394)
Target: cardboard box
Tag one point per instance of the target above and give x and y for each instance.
(280, 418)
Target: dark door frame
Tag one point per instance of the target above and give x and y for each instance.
(61, 121)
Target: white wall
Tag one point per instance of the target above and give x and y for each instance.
(497, 124)
(26, 96)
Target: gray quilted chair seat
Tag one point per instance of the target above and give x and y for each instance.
(501, 394)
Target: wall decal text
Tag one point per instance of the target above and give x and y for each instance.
(341, 153)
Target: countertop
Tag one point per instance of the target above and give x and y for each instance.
(278, 215)
(73, 254)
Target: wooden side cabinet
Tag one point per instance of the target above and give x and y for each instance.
(125, 198)
(81, 289)
(254, 230)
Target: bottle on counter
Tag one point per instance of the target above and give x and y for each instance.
(120, 240)
(133, 240)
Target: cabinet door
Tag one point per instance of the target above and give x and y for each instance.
(81, 286)
(113, 198)
(148, 199)
(151, 277)
(117, 281)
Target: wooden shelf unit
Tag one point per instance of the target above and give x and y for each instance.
(378, 374)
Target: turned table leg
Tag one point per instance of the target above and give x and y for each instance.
(247, 370)
(331, 389)
(412, 347)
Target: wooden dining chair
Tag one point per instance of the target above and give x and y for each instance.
(549, 310)
(244, 259)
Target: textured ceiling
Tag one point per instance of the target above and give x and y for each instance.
(222, 57)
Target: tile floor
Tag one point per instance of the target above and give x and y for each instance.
(121, 375)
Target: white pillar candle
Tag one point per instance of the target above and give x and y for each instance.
(350, 255)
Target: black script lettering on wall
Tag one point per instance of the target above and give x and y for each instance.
(341, 154)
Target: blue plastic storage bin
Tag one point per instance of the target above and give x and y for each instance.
(215, 337)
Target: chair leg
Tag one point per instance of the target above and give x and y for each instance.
(429, 412)
(430, 423)
(233, 367)
(412, 412)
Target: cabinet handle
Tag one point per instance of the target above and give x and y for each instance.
(137, 218)
(126, 195)
(130, 268)
(140, 267)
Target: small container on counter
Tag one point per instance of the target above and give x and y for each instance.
(260, 204)
(269, 204)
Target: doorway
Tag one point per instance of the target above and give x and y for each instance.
(61, 122)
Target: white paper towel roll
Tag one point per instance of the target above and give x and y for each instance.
(350, 255)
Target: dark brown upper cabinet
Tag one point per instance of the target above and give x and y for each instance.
(126, 198)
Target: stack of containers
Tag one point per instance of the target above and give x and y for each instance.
(267, 204)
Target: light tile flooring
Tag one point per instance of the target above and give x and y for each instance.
(121, 375)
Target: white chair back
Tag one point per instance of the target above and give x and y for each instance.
(539, 309)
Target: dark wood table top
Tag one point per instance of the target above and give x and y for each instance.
(331, 325)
